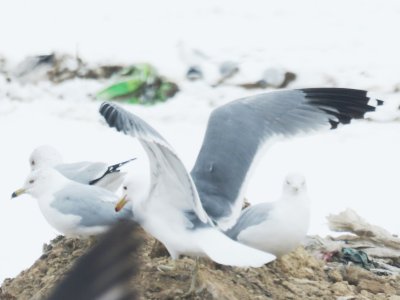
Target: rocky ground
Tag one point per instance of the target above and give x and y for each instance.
(299, 275)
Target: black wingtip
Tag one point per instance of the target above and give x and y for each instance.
(115, 116)
(111, 169)
(107, 110)
(104, 106)
(341, 103)
(333, 123)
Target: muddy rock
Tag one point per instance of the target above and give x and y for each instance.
(298, 275)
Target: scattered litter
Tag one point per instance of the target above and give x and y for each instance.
(359, 257)
(366, 245)
(139, 84)
(272, 78)
(227, 69)
(57, 68)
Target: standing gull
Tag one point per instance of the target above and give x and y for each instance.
(72, 208)
(170, 209)
(96, 173)
(239, 131)
(276, 227)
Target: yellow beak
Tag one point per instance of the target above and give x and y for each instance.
(120, 204)
(18, 193)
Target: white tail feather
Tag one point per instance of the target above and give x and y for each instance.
(226, 251)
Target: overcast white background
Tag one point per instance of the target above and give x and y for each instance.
(326, 43)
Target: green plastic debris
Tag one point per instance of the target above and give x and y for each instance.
(356, 256)
(139, 84)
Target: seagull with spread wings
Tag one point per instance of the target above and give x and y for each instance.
(187, 212)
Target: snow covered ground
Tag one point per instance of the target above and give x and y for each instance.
(327, 43)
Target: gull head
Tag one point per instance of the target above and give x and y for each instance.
(39, 182)
(294, 184)
(134, 190)
(44, 156)
(124, 199)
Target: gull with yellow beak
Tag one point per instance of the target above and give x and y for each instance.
(100, 174)
(168, 206)
(72, 208)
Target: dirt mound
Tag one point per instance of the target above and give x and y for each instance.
(298, 275)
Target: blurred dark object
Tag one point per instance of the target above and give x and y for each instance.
(58, 68)
(396, 89)
(272, 78)
(139, 84)
(246, 204)
(34, 68)
(158, 250)
(3, 68)
(227, 69)
(105, 271)
(194, 73)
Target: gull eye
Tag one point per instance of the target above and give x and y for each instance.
(287, 182)
(125, 188)
(32, 162)
(31, 181)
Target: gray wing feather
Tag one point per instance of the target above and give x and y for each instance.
(238, 130)
(163, 160)
(95, 206)
(82, 172)
(251, 216)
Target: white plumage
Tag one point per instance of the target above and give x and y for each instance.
(280, 226)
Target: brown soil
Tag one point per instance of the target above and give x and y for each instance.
(298, 275)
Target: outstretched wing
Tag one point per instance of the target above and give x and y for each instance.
(166, 167)
(238, 131)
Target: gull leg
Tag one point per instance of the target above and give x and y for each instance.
(195, 272)
(167, 267)
(172, 265)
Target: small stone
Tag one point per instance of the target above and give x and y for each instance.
(335, 275)
(375, 287)
(340, 288)
(354, 274)
(158, 250)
